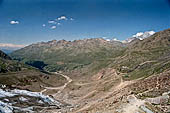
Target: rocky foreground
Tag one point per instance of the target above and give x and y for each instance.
(22, 101)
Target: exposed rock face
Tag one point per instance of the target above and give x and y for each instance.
(7, 65)
(4, 56)
(158, 100)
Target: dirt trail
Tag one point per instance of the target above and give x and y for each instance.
(60, 88)
(120, 86)
(147, 62)
(117, 88)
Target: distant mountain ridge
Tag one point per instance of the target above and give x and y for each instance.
(68, 54)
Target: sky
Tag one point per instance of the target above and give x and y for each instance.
(29, 21)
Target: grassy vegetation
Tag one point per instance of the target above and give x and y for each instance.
(67, 58)
(9, 65)
(143, 63)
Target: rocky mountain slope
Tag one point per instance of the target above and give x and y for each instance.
(146, 57)
(4, 56)
(7, 65)
(16, 74)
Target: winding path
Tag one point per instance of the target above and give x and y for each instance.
(60, 88)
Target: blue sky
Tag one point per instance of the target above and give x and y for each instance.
(84, 19)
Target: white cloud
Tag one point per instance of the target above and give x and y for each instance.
(14, 22)
(58, 23)
(53, 27)
(7, 45)
(142, 35)
(71, 19)
(62, 18)
(51, 22)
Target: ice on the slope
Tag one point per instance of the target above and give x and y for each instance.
(24, 110)
(6, 94)
(5, 108)
(40, 102)
(146, 109)
(3, 86)
(23, 99)
(7, 100)
(46, 99)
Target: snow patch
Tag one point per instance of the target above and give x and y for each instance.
(23, 99)
(6, 94)
(5, 108)
(35, 94)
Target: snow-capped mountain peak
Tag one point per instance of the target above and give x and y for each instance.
(140, 36)
(144, 35)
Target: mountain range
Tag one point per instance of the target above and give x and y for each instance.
(66, 55)
(95, 75)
